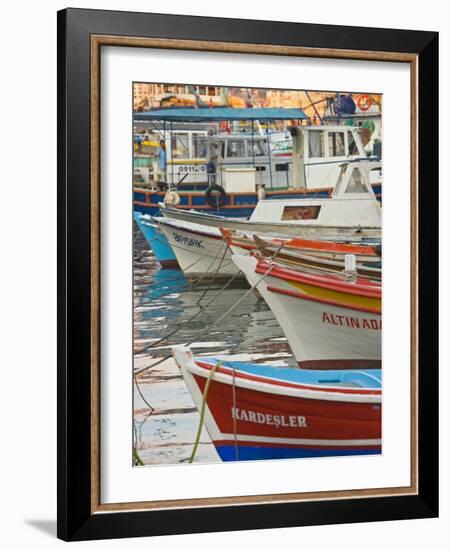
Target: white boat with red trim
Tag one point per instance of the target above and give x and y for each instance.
(199, 250)
(330, 322)
(367, 253)
(328, 257)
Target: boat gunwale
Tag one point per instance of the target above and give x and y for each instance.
(268, 385)
(361, 287)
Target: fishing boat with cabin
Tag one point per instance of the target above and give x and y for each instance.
(352, 213)
(245, 160)
(257, 412)
(351, 210)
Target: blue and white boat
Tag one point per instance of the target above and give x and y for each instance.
(156, 240)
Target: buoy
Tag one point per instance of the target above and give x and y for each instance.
(171, 198)
(364, 102)
(261, 192)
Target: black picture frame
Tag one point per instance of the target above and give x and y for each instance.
(76, 520)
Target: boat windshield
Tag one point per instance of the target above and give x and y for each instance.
(352, 145)
(356, 183)
(256, 148)
(343, 169)
(236, 148)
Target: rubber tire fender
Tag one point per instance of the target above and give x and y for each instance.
(213, 200)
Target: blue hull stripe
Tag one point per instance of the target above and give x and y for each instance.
(228, 452)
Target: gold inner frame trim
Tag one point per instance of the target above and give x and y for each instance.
(97, 41)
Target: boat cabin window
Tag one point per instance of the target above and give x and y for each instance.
(199, 144)
(300, 213)
(236, 148)
(356, 183)
(256, 148)
(352, 146)
(336, 144)
(316, 144)
(180, 146)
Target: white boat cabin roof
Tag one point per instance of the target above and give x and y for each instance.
(353, 202)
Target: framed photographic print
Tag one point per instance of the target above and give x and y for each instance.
(247, 274)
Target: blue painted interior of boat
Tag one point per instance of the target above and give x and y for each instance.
(360, 378)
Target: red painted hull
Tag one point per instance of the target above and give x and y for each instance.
(322, 419)
(267, 417)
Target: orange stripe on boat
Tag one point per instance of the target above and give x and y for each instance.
(362, 287)
(347, 304)
(343, 298)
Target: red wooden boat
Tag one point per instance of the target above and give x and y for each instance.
(263, 412)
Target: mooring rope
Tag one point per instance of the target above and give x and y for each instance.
(142, 395)
(207, 272)
(173, 245)
(137, 459)
(217, 321)
(202, 411)
(191, 318)
(213, 278)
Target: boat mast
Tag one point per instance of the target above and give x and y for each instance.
(298, 157)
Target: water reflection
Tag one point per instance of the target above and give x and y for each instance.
(164, 301)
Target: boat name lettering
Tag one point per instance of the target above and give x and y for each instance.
(189, 241)
(351, 322)
(277, 420)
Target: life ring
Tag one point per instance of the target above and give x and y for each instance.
(364, 102)
(171, 198)
(215, 196)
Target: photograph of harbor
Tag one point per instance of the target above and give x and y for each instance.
(257, 274)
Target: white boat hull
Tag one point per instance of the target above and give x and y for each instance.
(283, 229)
(200, 252)
(320, 335)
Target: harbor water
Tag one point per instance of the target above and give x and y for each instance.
(165, 420)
